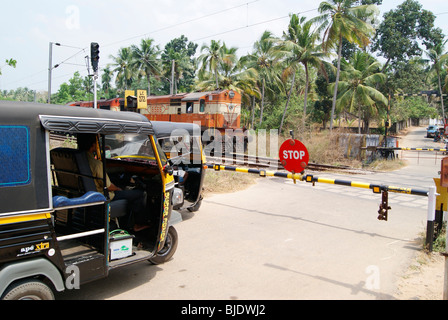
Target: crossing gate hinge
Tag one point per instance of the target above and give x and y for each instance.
(384, 206)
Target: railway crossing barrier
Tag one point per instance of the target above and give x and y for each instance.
(389, 152)
(431, 193)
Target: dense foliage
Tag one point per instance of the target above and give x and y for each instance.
(345, 64)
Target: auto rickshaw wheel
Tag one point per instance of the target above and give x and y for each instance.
(169, 248)
(30, 289)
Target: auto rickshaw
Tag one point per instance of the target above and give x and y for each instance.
(57, 231)
(182, 145)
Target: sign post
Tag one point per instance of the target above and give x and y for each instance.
(294, 156)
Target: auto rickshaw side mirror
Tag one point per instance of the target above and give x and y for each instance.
(168, 169)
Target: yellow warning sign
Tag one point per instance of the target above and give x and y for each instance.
(128, 93)
(141, 99)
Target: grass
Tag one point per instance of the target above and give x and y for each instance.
(440, 241)
(226, 181)
(386, 165)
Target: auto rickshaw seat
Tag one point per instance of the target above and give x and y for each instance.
(72, 169)
(89, 197)
(73, 172)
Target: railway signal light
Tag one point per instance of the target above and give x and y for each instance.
(384, 207)
(95, 55)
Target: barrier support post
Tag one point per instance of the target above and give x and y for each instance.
(445, 282)
(431, 218)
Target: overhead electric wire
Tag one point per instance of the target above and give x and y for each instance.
(182, 23)
(251, 25)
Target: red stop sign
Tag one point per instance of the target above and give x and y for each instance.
(294, 156)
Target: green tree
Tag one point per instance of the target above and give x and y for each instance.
(106, 79)
(265, 60)
(397, 37)
(358, 92)
(300, 47)
(181, 65)
(234, 75)
(124, 68)
(406, 77)
(341, 19)
(145, 60)
(211, 59)
(11, 62)
(75, 90)
(182, 52)
(439, 58)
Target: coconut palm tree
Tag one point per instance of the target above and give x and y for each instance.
(343, 19)
(106, 79)
(358, 92)
(234, 75)
(439, 58)
(211, 59)
(124, 67)
(265, 60)
(146, 60)
(300, 47)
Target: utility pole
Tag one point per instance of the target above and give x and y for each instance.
(50, 68)
(172, 77)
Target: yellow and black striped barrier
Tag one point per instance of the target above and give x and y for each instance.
(412, 149)
(376, 188)
(423, 149)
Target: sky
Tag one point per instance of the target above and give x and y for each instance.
(28, 27)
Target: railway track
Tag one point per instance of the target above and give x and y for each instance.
(265, 162)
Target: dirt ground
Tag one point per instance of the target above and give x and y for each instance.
(424, 278)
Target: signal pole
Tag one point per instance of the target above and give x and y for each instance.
(95, 57)
(95, 100)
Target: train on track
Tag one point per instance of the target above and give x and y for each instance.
(219, 110)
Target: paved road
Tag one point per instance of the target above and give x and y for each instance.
(280, 240)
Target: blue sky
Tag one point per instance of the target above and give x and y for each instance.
(27, 27)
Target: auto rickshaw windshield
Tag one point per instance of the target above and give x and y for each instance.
(131, 147)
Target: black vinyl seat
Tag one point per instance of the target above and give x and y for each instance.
(72, 172)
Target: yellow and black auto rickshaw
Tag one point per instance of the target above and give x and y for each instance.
(182, 145)
(57, 229)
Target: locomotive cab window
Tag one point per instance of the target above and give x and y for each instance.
(202, 105)
(190, 106)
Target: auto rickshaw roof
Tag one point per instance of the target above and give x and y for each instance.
(164, 129)
(74, 119)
